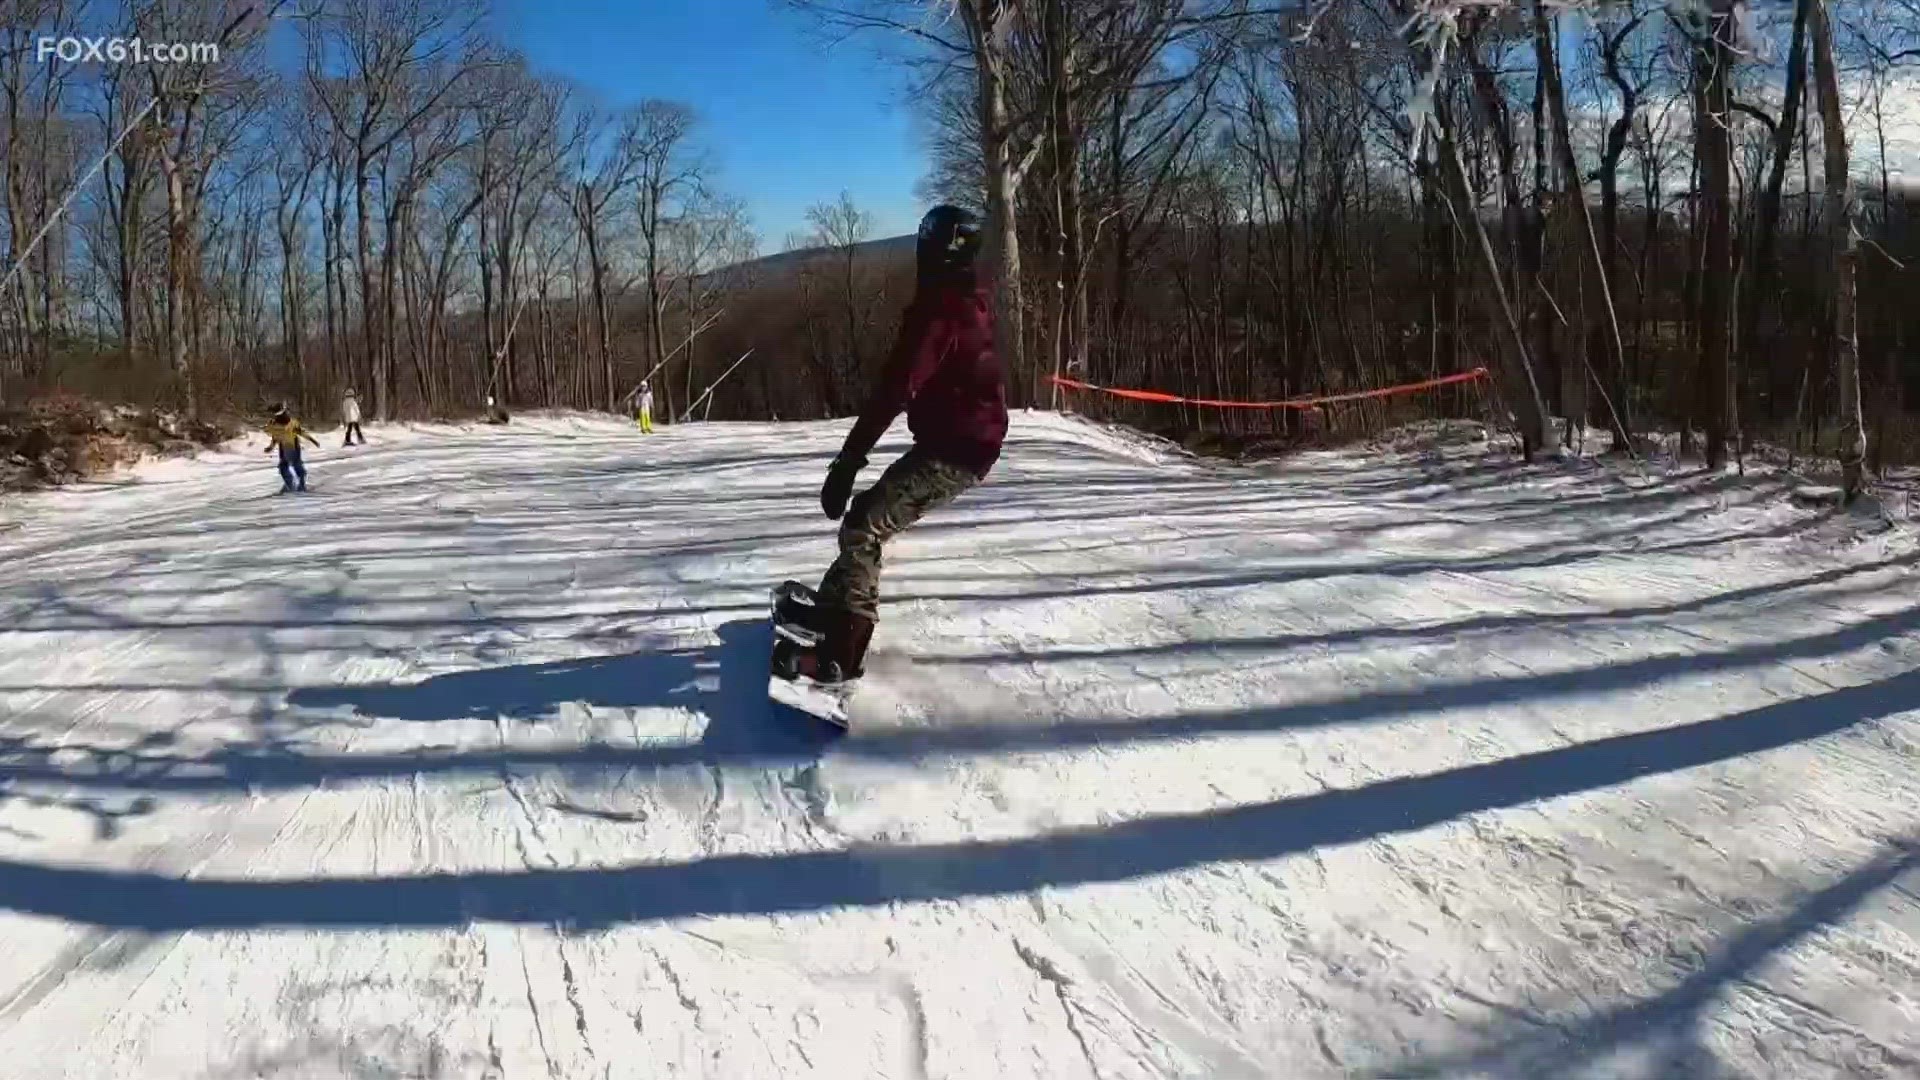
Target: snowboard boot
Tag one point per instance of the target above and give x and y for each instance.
(841, 656)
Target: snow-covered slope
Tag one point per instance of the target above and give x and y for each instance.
(1348, 765)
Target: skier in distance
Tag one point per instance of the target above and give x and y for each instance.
(946, 375)
(350, 416)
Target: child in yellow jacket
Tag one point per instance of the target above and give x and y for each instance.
(286, 433)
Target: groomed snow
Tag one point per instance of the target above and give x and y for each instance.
(1357, 764)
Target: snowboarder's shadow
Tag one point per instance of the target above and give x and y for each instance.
(726, 683)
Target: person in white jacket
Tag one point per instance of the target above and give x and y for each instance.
(646, 408)
(350, 413)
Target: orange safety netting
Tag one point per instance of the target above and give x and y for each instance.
(1290, 403)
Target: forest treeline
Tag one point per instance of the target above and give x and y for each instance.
(1636, 212)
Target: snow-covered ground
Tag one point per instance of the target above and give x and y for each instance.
(1348, 765)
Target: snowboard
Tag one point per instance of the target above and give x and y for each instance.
(792, 606)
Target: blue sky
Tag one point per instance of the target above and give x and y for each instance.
(789, 122)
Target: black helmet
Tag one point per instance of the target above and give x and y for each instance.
(949, 239)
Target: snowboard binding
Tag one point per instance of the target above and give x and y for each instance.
(826, 646)
(796, 628)
(815, 642)
(802, 679)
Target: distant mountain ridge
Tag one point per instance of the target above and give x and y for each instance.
(786, 264)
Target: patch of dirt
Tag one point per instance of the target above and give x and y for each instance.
(1433, 435)
(1312, 435)
(1236, 446)
(58, 440)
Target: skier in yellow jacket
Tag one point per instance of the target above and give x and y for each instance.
(286, 433)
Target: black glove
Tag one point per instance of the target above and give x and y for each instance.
(839, 486)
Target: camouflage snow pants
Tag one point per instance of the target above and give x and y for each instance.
(912, 487)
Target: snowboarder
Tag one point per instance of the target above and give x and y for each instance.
(350, 413)
(495, 414)
(645, 414)
(946, 375)
(286, 433)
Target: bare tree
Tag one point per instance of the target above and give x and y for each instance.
(711, 233)
(381, 51)
(607, 165)
(1713, 30)
(35, 166)
(1837, 210)
(120, 233)
(408, 168)
(1759, 272)
(671, 171)
(1593, 261)
(842, 227)
(521, 154)
(196, 109)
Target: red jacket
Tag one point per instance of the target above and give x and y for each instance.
(945, 373)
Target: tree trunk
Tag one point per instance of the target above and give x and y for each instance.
(177, 286)
(688, 343)
(1071, 328)
(1713, 63)
(290, 301)
(490, 344)
(651, 199)
(363, 230)
(988, 24)
(1759, 273)
(597, 272)
(1889, 403)
(1533, 261)
(1439, 251)
(1594, 263)
(1536, 431)
(339, 353)
(395, 223)
(127, 223)
(1837, 209)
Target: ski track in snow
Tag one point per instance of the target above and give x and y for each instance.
(1357, 764)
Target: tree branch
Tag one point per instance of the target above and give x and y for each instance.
(856, 22)
(1773, 128)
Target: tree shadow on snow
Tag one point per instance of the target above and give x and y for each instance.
(726, 683)
(867, 875)
(1660, 1037)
